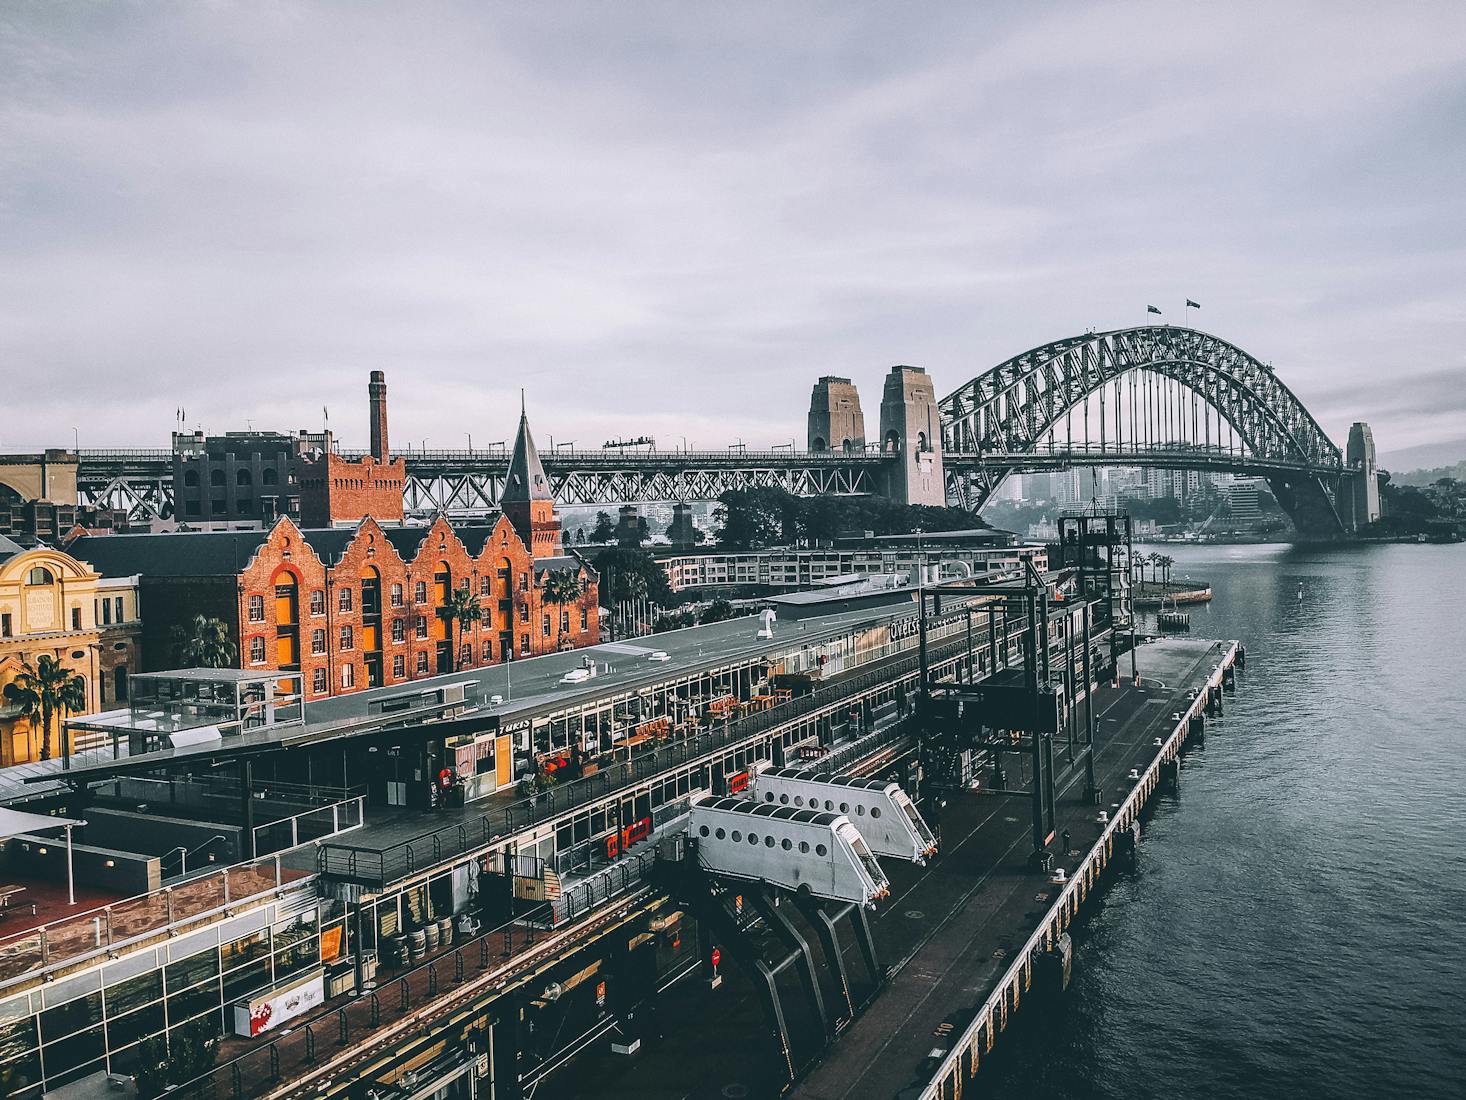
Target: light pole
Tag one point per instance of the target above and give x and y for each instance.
(182, 858)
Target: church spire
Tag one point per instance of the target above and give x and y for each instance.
(527, 500)
(526, 480)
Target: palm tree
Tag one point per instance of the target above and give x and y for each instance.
(561, 587)
(47, 690)
(1165, 563)
(204, 643)
(1155, 565)
(462, 608)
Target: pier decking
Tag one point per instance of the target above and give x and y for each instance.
(959, 936)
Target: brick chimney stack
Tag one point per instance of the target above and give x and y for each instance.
(378, 391)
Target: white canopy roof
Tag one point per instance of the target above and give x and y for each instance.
(18, 822)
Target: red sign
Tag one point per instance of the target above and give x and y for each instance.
(637, 830)
(738, 782)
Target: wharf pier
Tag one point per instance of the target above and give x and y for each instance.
(967, 940)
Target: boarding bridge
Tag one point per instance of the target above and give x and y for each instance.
(810, 852)
(880, 810)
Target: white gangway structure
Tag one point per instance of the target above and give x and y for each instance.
(807, 851)
(879, 809)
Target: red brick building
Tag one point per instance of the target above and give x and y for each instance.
(335, 491)
(363, 606)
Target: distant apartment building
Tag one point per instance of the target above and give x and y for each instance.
(1244, 500)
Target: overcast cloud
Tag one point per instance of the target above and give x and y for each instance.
(671, 218)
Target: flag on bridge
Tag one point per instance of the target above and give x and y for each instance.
(1151, 309)
(1192, 305)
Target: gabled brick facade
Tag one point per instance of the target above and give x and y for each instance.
(373, 616)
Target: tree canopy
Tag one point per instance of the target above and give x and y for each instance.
(629, 573)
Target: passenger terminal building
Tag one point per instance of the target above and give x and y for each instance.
(309, 876)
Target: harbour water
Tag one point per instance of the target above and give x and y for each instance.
(1297, 922)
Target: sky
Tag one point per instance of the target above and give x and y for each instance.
(670, 219)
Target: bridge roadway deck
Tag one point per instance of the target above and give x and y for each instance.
(940, 932)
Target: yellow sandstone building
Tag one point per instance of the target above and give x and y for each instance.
(52, 604)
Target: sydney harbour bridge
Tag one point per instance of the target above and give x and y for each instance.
(1157, 396)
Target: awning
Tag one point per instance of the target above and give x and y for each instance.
(18, 822)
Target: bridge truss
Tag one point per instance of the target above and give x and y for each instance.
(1150, 396)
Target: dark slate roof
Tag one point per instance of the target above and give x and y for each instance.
(571, 563)
(9, 548)
(180, 554)
(225, 553)
(526, 479)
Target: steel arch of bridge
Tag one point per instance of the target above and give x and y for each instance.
(1006, 412)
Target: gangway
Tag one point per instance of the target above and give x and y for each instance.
(813, 853)
(879, 809)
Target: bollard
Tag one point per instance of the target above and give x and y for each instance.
(376, 1016)
(342, 1025)
(458, 966)
(310, 1045)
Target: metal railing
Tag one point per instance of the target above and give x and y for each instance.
(107, 927)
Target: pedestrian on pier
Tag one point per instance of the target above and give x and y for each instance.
(1064, 840)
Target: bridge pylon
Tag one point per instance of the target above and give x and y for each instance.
(911, 428)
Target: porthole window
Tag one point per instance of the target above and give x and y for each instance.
(875, 811)
(799, 800)
(784, 799)
(821, 850)
(721, 835)
(829, 805)
(78, 654)
(753, 838)
(737, 836)
(703, 830)
(768, 842)
(859, 810)
(804, 847)
(844, 807)
(787, 843)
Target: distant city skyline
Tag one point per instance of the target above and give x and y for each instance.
(670, 221)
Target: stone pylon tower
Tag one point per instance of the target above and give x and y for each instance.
(911, 427)
(835, 420)
(1361, 503)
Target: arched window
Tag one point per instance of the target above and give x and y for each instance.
(893, 440)
(39, 575)
(269, 477)
(216, 477)
(817, 444)
(921, 442)
(190, 477)
(848, 446)
(243, 477)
